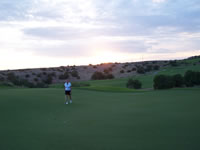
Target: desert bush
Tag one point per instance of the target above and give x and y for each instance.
(27, 75)
(109, 76)
(134, 69)
(121, 71)
(106, 71)
(148, 68)
(44, 73)
(52, 74)
(36, 79)
(140, 70)
(13, 78)
(98, 76)
(48, 80)
(26, 83)
(136, 84)
(163, 82)
(126, 65)
(74, 73)
(64, 76)
(39, 75)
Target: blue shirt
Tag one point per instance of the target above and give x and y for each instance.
(68, 86)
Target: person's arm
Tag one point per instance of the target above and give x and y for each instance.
(70, 86)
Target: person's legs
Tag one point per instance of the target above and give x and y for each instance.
(70, 97)
(66, 98)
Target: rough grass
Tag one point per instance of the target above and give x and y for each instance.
(37, 119)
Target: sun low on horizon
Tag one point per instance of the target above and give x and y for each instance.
(47, 33)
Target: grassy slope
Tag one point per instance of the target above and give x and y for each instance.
(119, 85)
(157, 120)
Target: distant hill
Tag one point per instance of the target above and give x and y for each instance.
(42, 77)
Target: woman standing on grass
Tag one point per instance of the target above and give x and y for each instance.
(68, 92)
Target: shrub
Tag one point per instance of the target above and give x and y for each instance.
(64, 76)
(109, 76)
(156, 67)
(173, 63)
(27, 75)
(126, 65)
(136, 84)
(178, 80)
(52, 74)
(148, 68)
(192, 78)
(26, 83)
(48, 80)
(110, 69)
(13, 78)
(140, 70)
(36, 79)
(128, 71)
(39, 75)
(134, 69)
(121, 71)
(106, 71)
(74, 73)
(98, 76)
(163, 82)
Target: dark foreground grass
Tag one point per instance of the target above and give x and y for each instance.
(37, 119)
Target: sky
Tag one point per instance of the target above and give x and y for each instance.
(51, 33)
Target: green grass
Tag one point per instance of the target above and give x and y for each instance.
(104, 116)
(37, 119)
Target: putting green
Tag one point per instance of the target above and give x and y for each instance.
(37, 119)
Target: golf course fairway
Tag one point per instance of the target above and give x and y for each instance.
(38, 119)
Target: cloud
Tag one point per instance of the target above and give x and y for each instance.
(67, 28)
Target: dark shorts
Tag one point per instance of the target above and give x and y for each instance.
(67, 92)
